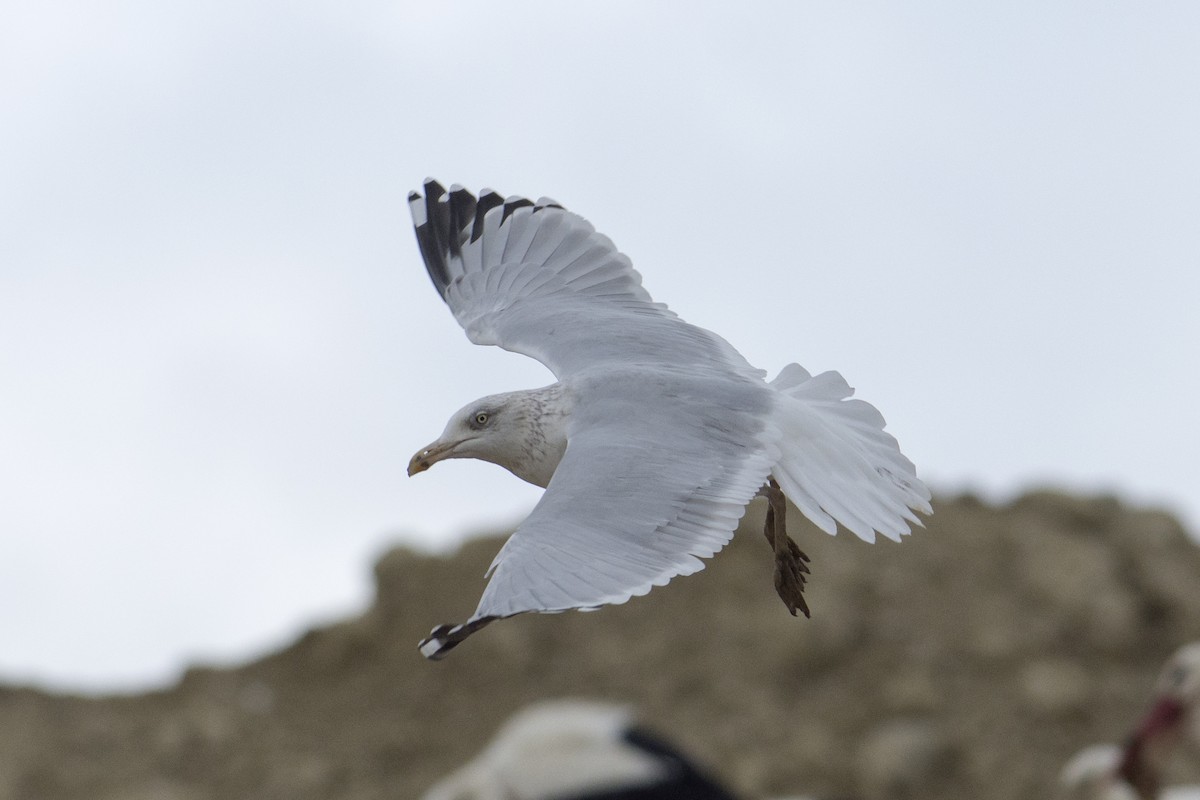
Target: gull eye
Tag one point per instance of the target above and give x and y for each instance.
(481, 418)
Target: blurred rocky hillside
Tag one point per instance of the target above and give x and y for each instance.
(969, 661)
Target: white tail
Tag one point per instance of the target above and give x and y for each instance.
(837, 464)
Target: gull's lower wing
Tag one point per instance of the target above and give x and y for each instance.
(656, 476)
(537, 279)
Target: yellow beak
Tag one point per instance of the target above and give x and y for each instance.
(426, 457)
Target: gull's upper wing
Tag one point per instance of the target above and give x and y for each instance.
(536, 279)
(658, 471)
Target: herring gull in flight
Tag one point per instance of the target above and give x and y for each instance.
(657, 433)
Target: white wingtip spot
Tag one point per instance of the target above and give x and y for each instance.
(416, 206)
(430, 648)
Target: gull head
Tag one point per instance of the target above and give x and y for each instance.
(1180, 678)
(1176, 711)
(1177, 697)
(521, 431)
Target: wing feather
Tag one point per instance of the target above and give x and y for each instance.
(549, 236)
(493, 236)
(524, 228)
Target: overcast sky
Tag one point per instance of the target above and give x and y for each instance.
(218, 346)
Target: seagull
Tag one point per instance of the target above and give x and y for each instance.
(655, 436)
(1170, 728)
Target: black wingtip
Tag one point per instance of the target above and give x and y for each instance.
(462, 217)
(488, 200)
(439, 222)
(512, 204)
(445, 221)
(430, 224)
(444, 638)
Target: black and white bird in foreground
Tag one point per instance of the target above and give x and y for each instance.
(578, 750)
(656, 434)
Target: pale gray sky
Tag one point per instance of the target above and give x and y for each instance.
(218, 347)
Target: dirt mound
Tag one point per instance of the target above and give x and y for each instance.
(968, 662)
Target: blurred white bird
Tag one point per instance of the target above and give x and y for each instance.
(579, 750)
(657, 433)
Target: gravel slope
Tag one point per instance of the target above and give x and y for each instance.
(969, 661)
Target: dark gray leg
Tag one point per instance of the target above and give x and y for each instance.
(791, 564)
